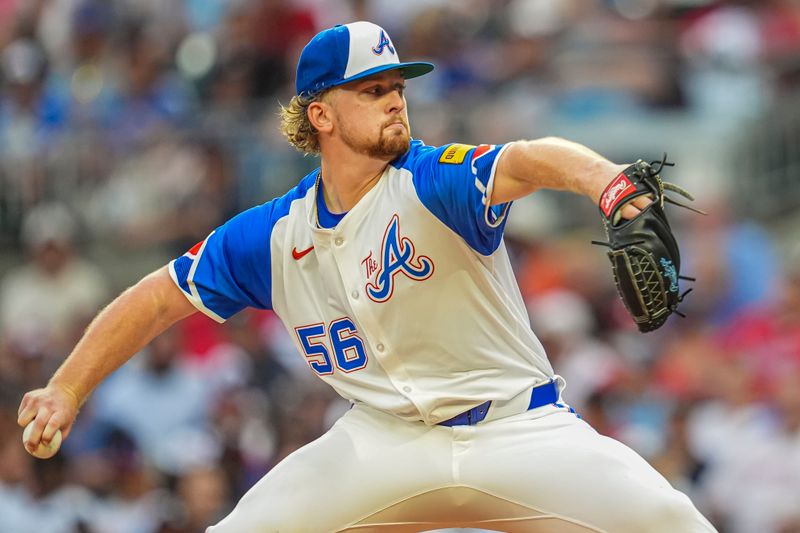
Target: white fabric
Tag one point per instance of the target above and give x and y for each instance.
(364, 37)
(553, 467)
(194, 297)
(503, 357)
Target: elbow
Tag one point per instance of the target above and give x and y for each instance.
(528, 155)
(540, 141)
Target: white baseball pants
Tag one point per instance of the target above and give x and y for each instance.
(544, 470)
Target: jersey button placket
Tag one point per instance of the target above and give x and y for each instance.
(401, 381)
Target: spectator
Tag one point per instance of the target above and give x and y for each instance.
(564, 323)
(203, 500)
(42, 299)
(764, 472)
(164, 408)
(32, 116)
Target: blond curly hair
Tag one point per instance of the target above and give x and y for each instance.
(296, 127)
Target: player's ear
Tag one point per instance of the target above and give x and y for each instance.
(320, 115)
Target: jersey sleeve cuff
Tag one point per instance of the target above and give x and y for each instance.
(193, 296)
(490, 217)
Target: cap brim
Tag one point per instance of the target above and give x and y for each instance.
(412, 69)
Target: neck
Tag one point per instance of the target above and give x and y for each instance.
(347, 179)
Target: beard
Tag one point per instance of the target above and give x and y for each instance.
(388, 145)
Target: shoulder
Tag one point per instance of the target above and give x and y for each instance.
(250, 228)
(279, 207)
(420, 154)
(418, 151)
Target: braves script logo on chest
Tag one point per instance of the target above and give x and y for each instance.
(397, 255)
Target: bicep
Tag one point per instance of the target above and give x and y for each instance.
(551, 163)
(509, 183)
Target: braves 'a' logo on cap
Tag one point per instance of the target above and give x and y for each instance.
(383, 43)
(397, 255)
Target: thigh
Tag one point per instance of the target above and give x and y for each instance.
(366, 462)
(559, 466)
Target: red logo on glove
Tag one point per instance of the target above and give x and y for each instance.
(615, 192)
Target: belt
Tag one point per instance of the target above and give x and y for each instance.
(539, 396)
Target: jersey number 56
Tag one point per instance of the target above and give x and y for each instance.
(341, 336)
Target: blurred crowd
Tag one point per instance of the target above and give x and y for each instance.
(129, 129)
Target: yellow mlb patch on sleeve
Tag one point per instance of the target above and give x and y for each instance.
(455, 153)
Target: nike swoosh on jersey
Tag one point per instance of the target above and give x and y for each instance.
(302, 253)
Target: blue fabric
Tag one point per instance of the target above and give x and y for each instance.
(323, 62)
(543, 395)
(449, 191)
(540, 396)
(234, 270)
(182, 265)
(325, 218)
(469, 417)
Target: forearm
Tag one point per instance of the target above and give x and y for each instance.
(551, 163)
(123, 328)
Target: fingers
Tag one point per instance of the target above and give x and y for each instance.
(641, 202)
(629, 211)
(27, 408)
(635, 206)
(52, 426)
(50, 410)
(39, 424)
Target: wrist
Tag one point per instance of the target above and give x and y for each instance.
(604, 174)
(70, 391)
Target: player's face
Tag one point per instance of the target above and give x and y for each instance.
(371, 115)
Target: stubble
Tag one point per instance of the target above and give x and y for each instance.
(388, 144)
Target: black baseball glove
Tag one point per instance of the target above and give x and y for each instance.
(643, 251)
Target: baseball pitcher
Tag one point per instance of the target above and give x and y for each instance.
(387, 267)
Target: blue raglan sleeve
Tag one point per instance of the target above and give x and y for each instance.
(455, 182)
(230, 269)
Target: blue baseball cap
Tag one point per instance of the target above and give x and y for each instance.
(347, 53)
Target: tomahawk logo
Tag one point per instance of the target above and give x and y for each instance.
(397, 255)
(383, 43)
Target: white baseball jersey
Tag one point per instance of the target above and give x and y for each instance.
(409, 304)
